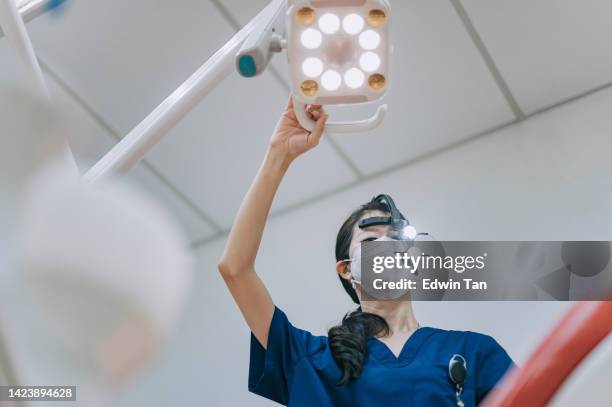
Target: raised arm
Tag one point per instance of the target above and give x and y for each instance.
(237, 265)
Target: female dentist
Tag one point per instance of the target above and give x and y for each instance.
(379, 355)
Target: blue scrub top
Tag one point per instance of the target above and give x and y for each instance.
(297, 369)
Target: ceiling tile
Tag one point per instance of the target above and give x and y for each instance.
(547, 50)
(243, 10)
(125, 57)
(90, 141)
(441, 90)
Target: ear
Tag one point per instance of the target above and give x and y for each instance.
(343, 270)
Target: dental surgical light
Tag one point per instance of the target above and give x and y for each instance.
(338, 54)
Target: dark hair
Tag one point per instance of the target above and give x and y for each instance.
(349, 340)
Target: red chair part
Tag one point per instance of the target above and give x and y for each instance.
(574, 337)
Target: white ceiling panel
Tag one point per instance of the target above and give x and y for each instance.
(125, 57)
(243, 11)
(441, 90)
(547, 50)
(90, 141)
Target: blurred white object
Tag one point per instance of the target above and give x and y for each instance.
(92, 277)
(107, 272)
(31, 131)
(589, 383)
(108, 234)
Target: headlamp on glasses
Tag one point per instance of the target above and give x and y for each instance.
(402, 228)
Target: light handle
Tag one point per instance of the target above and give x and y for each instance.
(358, 126)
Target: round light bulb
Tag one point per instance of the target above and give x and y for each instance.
(306, 15)
(377, 18)
(309, 88)
(369, 61)
(312, 67)
(311, 38)
(331, 80)
(369, 40)
(353, 23)
(354, 78)
(377, 82)
(329, 23)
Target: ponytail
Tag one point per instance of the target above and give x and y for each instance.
(349, 341)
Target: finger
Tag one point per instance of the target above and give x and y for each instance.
(316, 115)
(290, 102)
(319, 129)
(320, 109)
(311, 113)
(289, 110)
